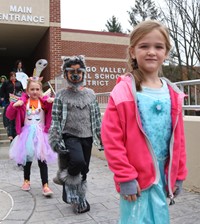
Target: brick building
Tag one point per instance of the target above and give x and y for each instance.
(30, 31)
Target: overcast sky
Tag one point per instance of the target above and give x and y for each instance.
(93, 15)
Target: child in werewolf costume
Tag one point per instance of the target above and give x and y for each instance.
(76, 122)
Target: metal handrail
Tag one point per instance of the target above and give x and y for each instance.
(190, 87)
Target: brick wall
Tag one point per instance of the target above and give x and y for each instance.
(102, 50)
(55, 51)
(55, 38)
(105, 59)
(50, 45)
(105, 62)
(54, 11)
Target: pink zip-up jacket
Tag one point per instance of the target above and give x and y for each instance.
(18, 113)
(127, 148)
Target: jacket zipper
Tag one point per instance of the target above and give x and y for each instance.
(171, 195)
(157, 177)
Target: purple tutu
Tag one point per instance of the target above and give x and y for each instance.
(31, 144)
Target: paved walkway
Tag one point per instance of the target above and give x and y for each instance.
(17, 207)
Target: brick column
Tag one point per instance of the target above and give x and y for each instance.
(54, 39)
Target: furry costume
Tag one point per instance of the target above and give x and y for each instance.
(76, 121)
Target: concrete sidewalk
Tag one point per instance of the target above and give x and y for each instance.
(17, 206)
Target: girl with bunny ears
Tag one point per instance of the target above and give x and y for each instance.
(33, 116)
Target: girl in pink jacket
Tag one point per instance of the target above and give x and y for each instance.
(33, 117)
(143, 133)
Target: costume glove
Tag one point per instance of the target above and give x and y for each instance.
(59, 148)
(56, 142)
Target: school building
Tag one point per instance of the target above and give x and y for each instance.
(31, 30)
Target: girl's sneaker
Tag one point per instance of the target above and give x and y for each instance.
(46, 191)
(26, 185)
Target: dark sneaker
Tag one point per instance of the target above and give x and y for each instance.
(56, 180)
(83, 209)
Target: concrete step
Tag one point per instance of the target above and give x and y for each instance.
(4, 152)
(1, 117)
(4, 143)
(2, 129)
(3, 136)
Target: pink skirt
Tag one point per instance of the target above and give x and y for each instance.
(31, 144)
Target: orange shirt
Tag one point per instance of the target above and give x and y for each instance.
(34, 104)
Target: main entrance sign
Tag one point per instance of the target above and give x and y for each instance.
(34, 13)
(21, 14)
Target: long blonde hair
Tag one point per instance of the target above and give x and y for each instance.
(139, 32)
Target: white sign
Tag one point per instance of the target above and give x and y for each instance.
(102, 75)
(21, 14)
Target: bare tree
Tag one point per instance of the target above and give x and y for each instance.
(143, 9)
(182, 17)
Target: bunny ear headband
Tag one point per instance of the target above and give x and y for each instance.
(34, 78)
(40, 65)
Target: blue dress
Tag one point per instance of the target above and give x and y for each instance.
(151, 207)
